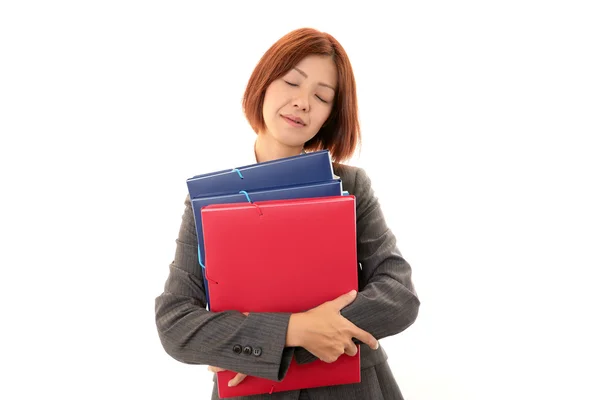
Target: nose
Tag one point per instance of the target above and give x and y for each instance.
(301, 102)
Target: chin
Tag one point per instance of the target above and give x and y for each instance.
(290, 140)
(292, 143)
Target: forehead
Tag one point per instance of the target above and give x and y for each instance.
(319, 68)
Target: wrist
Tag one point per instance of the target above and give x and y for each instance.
(294, 332)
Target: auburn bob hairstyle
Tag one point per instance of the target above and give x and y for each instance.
(340, 134)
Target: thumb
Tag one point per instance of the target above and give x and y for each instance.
(344, 300)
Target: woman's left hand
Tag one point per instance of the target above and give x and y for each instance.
(236, 379)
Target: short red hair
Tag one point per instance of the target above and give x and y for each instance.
(340, 134)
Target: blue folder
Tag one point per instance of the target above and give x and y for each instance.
(296, 170)
(322, 189)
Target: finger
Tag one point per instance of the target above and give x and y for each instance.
(351, 349)
(215, 369)
(329, 359)
(246, 313)
(364, 336)
(236, 380)
(344, 300)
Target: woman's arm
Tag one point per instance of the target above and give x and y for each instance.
(387, 302)
(191, 334)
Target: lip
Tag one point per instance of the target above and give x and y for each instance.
(293, 120)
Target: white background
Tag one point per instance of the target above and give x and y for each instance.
(480, 122)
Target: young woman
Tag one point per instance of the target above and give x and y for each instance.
(300, 97)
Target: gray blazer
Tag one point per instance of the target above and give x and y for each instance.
(385, 305)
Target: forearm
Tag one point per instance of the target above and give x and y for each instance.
(191, 334)
(384, 307)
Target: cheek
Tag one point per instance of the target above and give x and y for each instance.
(269, 111)
(268, 101)
(274, 99)
(324, 115)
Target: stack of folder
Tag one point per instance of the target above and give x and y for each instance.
(278, 236)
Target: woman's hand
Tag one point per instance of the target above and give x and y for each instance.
(236, 379)
(326, 333)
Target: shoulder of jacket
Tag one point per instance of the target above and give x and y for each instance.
(344, 170)
(349, 174)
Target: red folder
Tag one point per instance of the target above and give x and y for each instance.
(282, 256)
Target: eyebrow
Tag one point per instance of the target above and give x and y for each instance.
(320, 83)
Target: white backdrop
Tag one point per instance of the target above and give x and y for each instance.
(479, 120)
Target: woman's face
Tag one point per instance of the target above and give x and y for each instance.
(297, 104)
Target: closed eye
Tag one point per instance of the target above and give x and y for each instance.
(296, 85)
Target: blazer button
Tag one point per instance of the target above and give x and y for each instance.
(257, 351)
(247, 350)
(237, 349)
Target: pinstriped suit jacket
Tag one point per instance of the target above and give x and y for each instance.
(385, 305)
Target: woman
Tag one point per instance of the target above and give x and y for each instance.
(301, 96)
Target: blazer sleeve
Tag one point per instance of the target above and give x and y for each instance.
(193, 335)
(387, 302)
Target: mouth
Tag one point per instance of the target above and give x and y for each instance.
(294, 121)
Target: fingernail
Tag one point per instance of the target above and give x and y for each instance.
(230, 384)
(353, 292)
(376, 345)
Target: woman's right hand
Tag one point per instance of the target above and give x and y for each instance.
(325, 332)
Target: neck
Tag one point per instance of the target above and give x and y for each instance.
(267, 150)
